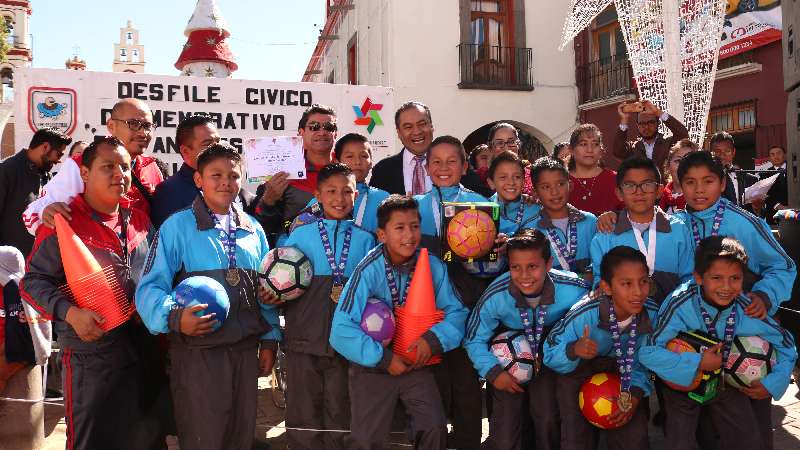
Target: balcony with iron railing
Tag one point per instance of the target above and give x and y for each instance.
(493, 67)
(604, 78)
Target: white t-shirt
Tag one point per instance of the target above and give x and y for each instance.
(563, 225)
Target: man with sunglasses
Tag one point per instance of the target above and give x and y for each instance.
(131, 122)
(280, 200)
(651, 143)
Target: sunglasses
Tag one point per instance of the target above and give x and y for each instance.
(327, 126)
(136, 124)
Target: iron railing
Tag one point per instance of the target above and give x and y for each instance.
(494, 67)
(604, 78)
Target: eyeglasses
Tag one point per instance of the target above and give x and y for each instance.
(503, 144)
(327, 126)
(649, 122)
(648, 187)
(136, 124)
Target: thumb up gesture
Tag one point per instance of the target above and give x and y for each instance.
(585, 347)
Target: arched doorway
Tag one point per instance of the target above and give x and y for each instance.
(535, 144)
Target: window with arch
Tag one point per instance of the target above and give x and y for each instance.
(129, 37)
(7, 80)
(135, 55)
(123, 54)
(9, 23)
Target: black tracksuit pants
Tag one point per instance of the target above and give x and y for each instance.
(102, 393)
(215, 394)
(577, 433)
(506, 423)
(460, 389)
(374, 397)
(316, 398)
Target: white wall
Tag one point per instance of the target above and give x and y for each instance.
(412, 45)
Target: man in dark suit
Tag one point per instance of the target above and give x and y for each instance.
(778, 194)
(651, 143)
(723, 147)
(404, 172)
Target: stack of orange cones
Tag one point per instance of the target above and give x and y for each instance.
(418, 314)
(89, 285)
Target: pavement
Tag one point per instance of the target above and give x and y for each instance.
(271, 432)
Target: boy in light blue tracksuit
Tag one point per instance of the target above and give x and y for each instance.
(545, 292)
(712, 303)
(585, 342)
(378, 377)
(319, 400)
(770, 271)
(569, 229)
(355, 151)
(214, 373)
(639, 187)
(458, 383)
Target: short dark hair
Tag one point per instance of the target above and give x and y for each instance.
(75, 144)
(408, 105)
(498, 126)
(575, 137)
(314, 109)
(185, 131)
(473, 154)
(721, 136)
(505, 157)
(558, 147)
(713, 248)
(331, 170)
(350, 138)
(90, 152)
(50, 136)
(220, 150)
(616, 257)
(450, 140)
(547, 163)
(777, 146)
(395, 202)
(700, 159)
(637, 163)
(529, 239)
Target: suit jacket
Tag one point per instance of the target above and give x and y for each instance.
(743, 180)
(778, 193)
(388, 175)
(623, 149)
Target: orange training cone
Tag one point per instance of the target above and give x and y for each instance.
(78, 261)
(420, 300)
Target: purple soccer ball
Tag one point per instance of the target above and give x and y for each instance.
(377, 321)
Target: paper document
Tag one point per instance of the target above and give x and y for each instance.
(758, 191)
(267, 156)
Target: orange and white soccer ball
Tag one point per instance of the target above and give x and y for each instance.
(471, 233)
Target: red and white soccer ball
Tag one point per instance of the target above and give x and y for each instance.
(751, 358)
(514, 354)
(597, 399)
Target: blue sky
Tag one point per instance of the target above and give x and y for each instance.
(256, 26)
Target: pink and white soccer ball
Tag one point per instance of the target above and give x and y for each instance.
(751, 358)
(286, 272)
(514, 354)
(377, 321)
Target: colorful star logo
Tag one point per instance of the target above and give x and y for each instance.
(368, 115)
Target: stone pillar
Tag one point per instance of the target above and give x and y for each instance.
(22, 424)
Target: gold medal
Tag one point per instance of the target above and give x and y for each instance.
(625, 401)
(232, 277)
(336, 292)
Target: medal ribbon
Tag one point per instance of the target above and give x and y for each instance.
(361, 208)
(565, 258)
(715, 225)
(730, 327)
(392, 283)
(624, 360)
(337, 270)
(518, 217)
(650, 251)
(229, 238)
(437, 206)
(533, 337)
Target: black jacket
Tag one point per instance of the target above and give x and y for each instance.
(20, 183)
(388, 175)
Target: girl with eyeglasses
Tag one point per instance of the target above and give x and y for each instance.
(672, 199)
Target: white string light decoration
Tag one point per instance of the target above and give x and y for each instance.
(673, 47)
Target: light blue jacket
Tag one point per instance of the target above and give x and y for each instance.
(509, 211)
(365, 215)
(587, 227)
(432, 201)
(188, 244)
(500, 307)
(681, 312)
(674, 250)
(558, 348)
(773, 270)
(369, 281)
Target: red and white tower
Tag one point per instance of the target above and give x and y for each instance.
(206, 54)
